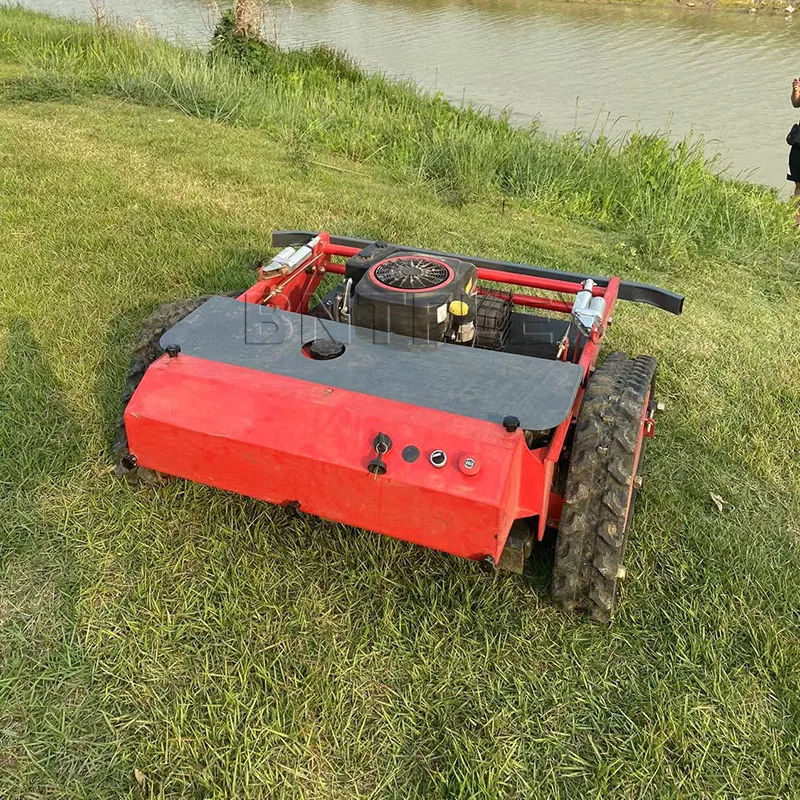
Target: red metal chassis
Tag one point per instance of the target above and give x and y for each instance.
(210, 422)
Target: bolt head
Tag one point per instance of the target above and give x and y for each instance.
(470, 466)
(511, 423)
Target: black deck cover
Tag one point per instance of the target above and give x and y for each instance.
(474, 383)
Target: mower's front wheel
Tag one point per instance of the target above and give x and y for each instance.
(604, 473)
(146, 350)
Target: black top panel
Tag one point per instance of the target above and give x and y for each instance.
(474, 383)
(628, 290)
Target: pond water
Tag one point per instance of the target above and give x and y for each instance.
(724, 75)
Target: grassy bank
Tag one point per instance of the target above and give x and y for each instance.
(223, 650)
(663, 196)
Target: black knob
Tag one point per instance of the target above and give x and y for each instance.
(377, 466)
(511, 423)
(173, 350)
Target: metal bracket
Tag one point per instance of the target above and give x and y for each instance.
(517, 551)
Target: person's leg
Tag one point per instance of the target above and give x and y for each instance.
(794, 171)
(794, 176)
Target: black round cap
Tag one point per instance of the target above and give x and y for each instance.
(511, 423)
(410, 453)
(324, 349)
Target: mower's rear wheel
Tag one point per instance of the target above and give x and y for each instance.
(605, 465)
(146, 350)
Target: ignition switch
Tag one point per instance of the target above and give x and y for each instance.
(382, 444)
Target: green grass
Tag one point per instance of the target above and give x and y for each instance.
(226, 651)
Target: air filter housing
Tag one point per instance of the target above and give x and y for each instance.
(409, 294)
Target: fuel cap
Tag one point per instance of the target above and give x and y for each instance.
(325, 349)
(469, 466)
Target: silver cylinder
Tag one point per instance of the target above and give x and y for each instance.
(598, 308)
(584, 296)
(279, 263)
(288, 259)
(299, 256)
(588, 311)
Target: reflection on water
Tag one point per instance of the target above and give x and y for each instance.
(188, 21)
(725, 75)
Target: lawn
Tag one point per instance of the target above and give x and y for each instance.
(188, 643)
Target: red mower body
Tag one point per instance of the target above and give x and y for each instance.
(440, 445)
(289, 441)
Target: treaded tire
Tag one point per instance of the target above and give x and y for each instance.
(600, 491)
(146, 350)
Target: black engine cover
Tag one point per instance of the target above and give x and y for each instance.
(409, 294)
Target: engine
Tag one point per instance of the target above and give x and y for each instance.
(423, 297)
(417, 296)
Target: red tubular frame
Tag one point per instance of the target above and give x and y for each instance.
(324, 252)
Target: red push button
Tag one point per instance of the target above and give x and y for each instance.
(469, 466)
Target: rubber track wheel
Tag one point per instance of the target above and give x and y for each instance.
(592, 535)
(146, 350)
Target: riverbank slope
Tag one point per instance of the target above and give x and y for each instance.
(188, 642)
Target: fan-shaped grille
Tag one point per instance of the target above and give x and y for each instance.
(411, 272)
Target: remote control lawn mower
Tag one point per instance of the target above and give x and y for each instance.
(417, 397)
